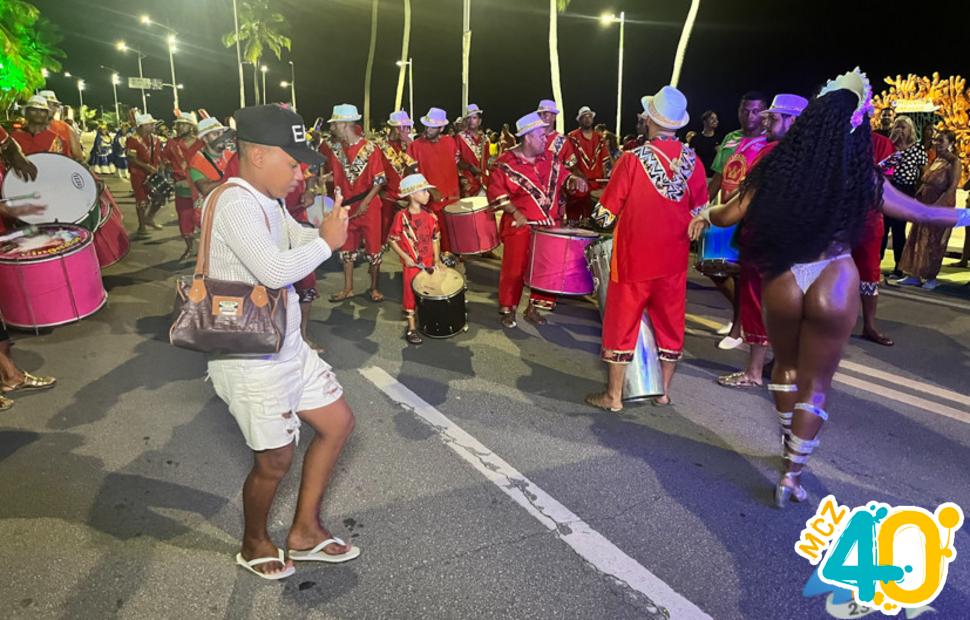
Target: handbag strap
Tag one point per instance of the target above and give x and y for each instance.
(208, 218)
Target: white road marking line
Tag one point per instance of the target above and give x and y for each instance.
(915, 401)
(919, 386)
(929, 298)
(592, 546)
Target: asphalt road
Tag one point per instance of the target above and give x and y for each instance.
(120, 489)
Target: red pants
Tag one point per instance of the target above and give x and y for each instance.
(665, 302)
(364, 229)
(189, 218)
(867, 256)
(437, 207)
(388, 209)
(407, 294)
(511, 280)
(749, 300)
(138, 186)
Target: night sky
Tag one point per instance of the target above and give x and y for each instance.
(737, 45)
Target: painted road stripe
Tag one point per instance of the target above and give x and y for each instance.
(592, 546)
(909, 399)
(930, 298)
(880, 390)
(919, 386)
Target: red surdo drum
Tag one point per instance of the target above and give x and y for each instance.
(111, 241)
(471, 226)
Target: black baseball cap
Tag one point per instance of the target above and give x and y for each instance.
(275, 125)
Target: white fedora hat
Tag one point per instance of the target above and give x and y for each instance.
(400, 119)
(547, 105)
(585, 110)
(668, 108)
(144, 119)
(344, 113)
(37, 102)
(529, 122)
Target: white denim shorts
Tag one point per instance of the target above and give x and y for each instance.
(264, 396)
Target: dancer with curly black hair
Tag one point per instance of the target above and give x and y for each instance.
(804, 208)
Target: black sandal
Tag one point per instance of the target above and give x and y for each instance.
(413, 337)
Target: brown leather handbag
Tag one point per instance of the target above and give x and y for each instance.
(225, 317)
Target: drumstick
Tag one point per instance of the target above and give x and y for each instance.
(18, 233)
(33, 195)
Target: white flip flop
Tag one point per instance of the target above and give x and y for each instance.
(249, 564)
(317, 554)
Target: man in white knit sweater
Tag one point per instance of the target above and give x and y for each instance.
(255, 240)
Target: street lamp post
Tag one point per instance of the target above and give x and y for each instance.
(80, 96)
(171, 40)
(171, 62)
(123, 47)
(115, 80)
(242, 80)
(607, 20)
(264, 69)
(410, 63)
(293, 85)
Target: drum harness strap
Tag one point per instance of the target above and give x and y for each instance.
(538, 195)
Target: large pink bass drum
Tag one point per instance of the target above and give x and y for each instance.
(471, 226)
(65, 186)
(557, 262)
(111, 241)
(50, 277)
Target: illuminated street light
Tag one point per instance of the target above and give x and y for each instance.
(122, 47)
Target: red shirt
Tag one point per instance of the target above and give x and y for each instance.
(532, 187)
(473, 150)
(45, 141)
(882, 147)
(561, 148)
(397, 162)
(592, 155)
(763, 152)
(438, 162)
(356, 168)
(415, 233)
(147, 151)
(653, 207)
(294, 200)
(177, 155)
(741, 161)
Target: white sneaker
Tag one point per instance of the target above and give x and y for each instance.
(908, 281)
(727, 343)
(724, 331)
(929, 285)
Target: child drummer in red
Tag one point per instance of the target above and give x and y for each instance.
(416, 238)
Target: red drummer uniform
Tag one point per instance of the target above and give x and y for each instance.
(867, 253)
(749, 280)
(473, 150)
(356, 169)
(415, 234)
(44, 141)
(438, 162)
(397, 164)
(653, 193)
(306, 289)
(148, 151)
(592, 157)
(534, 189)
(177, 155)
(561, 148)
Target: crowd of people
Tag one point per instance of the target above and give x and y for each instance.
(807, 183)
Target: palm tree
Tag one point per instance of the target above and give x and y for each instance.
(555, 8)
(405, 45)
(695, 5)
(259, 28)
(370, 63)
(29, 45)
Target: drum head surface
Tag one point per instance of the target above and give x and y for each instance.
(567, 232)
(467, 205)
(441, 283)
(49, 240)
(65, 185)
